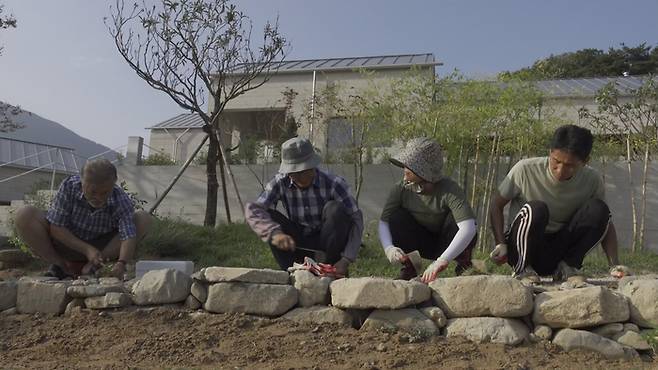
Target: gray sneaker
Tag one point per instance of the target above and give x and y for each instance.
(528, 275)
(563, 272)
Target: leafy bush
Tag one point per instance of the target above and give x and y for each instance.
(158, 159)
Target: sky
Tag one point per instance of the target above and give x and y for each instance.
(61, 63)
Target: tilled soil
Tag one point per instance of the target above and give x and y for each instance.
(168, 337)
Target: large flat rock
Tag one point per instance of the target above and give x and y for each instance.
(245, 275)
(316, 315)
(578, 308)
(488, 329)
(8, 292)
(257, 299)
(93, 290)
(405, 319)
(570, 339)
(161, 287)
(45, 296)
(367, 292)
(643, 296)
(473, 296)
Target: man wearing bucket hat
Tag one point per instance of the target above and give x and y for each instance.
(426, 212)
(322, 215)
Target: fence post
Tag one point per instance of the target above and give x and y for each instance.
(134, 150)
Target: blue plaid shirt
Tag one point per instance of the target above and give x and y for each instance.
(304, 206)
(71, 210)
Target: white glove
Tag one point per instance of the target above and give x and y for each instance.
(620, 271)
(434, 269)
(394, 254)
(499, 254)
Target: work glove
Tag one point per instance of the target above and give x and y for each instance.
(433, 269)
(620, 271)
(499, 254)
(394, 254)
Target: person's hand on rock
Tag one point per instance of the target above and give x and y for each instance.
(283, 242)
(434, 269)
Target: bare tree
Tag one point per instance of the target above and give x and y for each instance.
(7, 111)
(190, 48)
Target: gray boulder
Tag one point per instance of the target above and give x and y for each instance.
(161, 287)
(579, 308)
(316, 315)
(435, 314)
(632, 339)
(368, 292)
(488, 329)
(570, 339)
(192, 303)
(643, 296)
(199, 291)
(45, 296)
(8, 292)
(110, 300)
(608, 330)
(474, 296)
(405, 319)
(95, 290)
(313, 290)
(245, 275)
(257, 299)
(543, 332)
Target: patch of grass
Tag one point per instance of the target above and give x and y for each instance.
(237, 246)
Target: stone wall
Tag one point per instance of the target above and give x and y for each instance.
(609, 317)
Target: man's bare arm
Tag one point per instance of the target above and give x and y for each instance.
(497, 217)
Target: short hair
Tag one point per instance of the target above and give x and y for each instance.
(99, 171)
(573, 139)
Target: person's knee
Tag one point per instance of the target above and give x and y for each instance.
(333, 208)
(597, 211)
(538, 210)
(27, 215)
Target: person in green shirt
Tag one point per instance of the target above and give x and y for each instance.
(426, 212)
(557, 211)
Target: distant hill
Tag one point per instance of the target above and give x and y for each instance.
(43, 131)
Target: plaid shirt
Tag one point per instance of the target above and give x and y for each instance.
(304, 206)
(71, 210)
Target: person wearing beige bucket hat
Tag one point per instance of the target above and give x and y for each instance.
(426, 213)
(321, 216)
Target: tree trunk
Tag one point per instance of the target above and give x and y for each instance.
(632, 192)
(212, 185)
(643, 216)
(483, 211)
(475, 173)
(222, 176)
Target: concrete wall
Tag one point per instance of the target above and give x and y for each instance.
(187, 199)
(14, 189)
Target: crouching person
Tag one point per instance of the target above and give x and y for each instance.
(91, 221)
(321, 213)
(426, 212)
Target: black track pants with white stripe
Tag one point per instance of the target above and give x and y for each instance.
(529, 244)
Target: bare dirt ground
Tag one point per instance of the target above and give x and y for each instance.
(169, 337)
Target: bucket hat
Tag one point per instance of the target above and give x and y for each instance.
(297, 154)
(423, 156)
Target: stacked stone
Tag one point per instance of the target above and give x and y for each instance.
(494, 309)
(232, 289)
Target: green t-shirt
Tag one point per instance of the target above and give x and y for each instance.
(531, 179)
(430, 210)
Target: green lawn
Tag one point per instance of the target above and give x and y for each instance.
(236, 245)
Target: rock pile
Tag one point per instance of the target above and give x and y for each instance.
(494, 309)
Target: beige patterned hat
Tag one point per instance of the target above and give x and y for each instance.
(423, 156)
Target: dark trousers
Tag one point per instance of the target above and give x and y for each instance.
(409, 236)
(528, 242)
(330, 239)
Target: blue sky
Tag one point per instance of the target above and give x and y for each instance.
(61, 63)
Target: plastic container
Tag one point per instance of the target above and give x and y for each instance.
(143, 267)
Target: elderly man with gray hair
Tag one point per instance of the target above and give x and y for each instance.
(91, 221)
